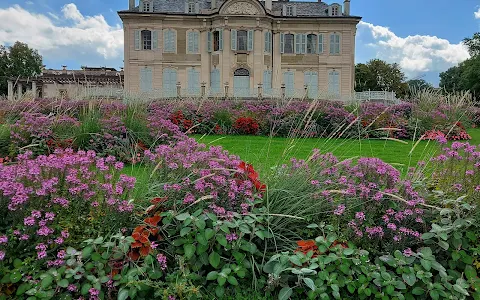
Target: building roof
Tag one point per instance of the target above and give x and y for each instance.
(100, 75)
(303, 9)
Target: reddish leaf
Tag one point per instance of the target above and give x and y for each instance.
(153, 221)
(144, 251)
(134, 255)
(137, 245)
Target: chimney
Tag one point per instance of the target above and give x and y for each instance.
(346, 7)
(131, 4)
(214, 4)
(268, 5)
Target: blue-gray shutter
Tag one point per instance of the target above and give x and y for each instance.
(320, 44)
(197, 7)
(250, 40)
(311, 81)
(234, 39)
(138, 38)
(282, 42)
(190, 42)
(284, 10)
(289, 81)
(294, 10)
(220, 39)
(265, 36)
(298, 37)
(215, 81)
(154, 39)
(146, 79)
(196, 43)
(334, 82)
(267, 81)
(209, 41)
(170, 82)
(193, 82)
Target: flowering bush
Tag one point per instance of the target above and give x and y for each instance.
(66, 195)
(246, 125)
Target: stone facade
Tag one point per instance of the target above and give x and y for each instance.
(235, 46)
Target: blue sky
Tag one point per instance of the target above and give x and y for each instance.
(423, 36)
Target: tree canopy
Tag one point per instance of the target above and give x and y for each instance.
(465, 76)
(378, 75)
(18, 60)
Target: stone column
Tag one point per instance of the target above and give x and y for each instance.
(34, 89)
(19, 90)
(258, 57)
(10, 90)
(277, 62)
(227, 59)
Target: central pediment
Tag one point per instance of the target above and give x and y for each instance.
(242, 7)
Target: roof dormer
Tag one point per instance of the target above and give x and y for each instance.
(192, 7)
(335, 10)
(146, 5)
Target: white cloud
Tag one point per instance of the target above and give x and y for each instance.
(72, 36)
(414, 53)
(477, 14)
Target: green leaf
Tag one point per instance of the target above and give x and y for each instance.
(209, 233)
(260, 234)
(185, 231)
(418, 291)
(189, 250)
(312, 226)
(222, 240)
(232, 280)
(200, 223)
(219, 291)
(182, 217)
(470, 272)
(47, 282)
(309, 282)
(15, 277)
(434, 294)
(17, 263)
(460, 289)
(201, 239)
(214, 259)
(285, 293)
(296, 260)
(85, 288)
(122, 294)
(96, 256)
(348, 251)
(410, 279)
(426, 264)
(98, 240)
(212, 275)
(221, 280)
(23, 288)
(201, 249)
(244, 228)
(179, 242)
(63, 283)
(443, 244)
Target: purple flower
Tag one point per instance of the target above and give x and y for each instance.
(3, 239)
(339, 210)
(72, 288)
(2, 255)
(231, 237)
(408, 252)
(162, 260)
(392, 226)
(29, 221)
(360, 216)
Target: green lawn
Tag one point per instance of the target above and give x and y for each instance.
(266, 152)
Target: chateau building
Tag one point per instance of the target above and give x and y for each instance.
(239, 47)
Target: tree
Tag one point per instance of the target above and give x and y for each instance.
(378, 75)
(18, 60)
(473, 44)
(418, 85)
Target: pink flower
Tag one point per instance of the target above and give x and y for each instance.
(408, 252)
(162, 260)
(339, 210)
(72, 288)
(2, 255)
(29, 221)
(360, 216)
(3, 239)
(231, 237)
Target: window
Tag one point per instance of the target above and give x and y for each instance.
(146, 40)
(311, 43)
(268, 41)
(267, 82)
(289, 11)
(191, 7)
(242, 37)
(193, 38)
(193, 82)
(334, 10)
(215, 81)
(288, 43)
(300, 43)
(169, 41)
(216, 41)
(334, 82)
(147, 6)
(335, 43)
(311, 81)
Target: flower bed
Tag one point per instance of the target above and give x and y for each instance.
(206, 225)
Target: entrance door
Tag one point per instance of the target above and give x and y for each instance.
(241, 83)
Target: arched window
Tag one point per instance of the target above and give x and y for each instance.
(146, 40)
(312, 43)
(241, 72)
